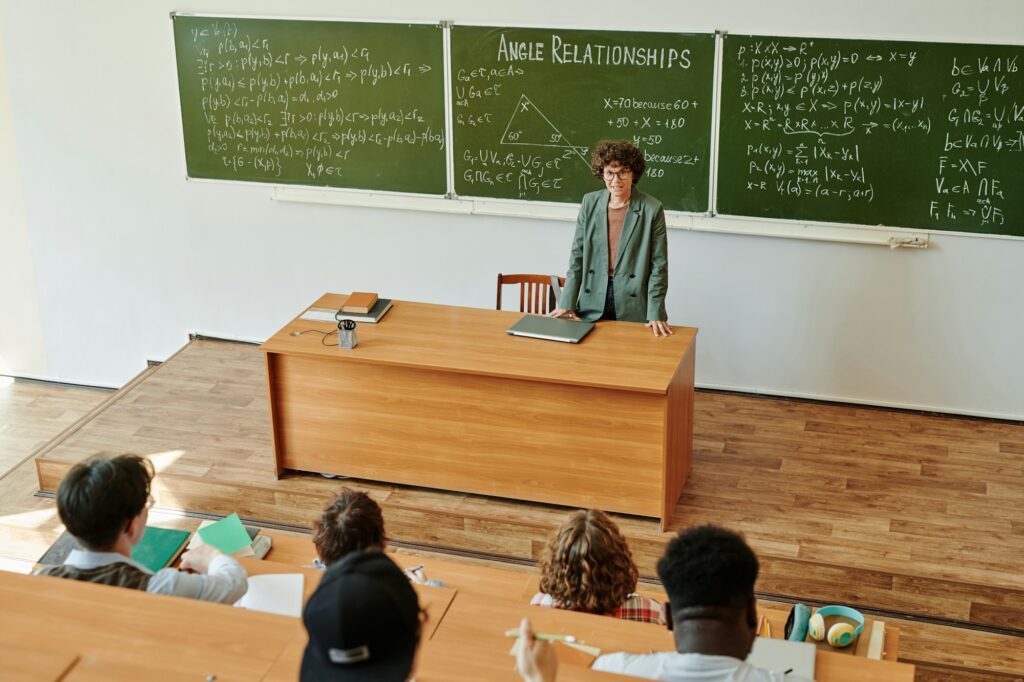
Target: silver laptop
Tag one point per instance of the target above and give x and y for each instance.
(551, 328)
(783, 656)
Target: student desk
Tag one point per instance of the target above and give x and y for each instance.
(442, 397)
(484, 621)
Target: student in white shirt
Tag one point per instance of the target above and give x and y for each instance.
(104, 503)
(709, 575)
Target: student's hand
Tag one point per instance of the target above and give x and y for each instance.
(198, 560)
(563, 312)
(660, 328)
(536, 660)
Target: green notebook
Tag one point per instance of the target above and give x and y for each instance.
(159, 547)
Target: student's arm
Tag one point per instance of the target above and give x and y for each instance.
(225, 582)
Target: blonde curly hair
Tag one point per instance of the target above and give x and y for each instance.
(587, 565)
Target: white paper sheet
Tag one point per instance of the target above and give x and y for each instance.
(279, 593)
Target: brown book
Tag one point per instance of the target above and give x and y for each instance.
(359, 302)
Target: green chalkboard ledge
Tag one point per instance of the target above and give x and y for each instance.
(539, 210)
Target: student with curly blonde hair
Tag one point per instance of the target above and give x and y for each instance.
(587, 566)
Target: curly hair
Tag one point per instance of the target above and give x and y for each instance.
(708, 566)
(353, 521)
(624, 152)
(99, 497)
(587, 565)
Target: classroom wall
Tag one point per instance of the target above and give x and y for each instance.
(129, 256)
(21, 334)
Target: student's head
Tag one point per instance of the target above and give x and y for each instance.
(363, 622)
(709, 574)
(351, 522)
(104, 497)
(587, 565)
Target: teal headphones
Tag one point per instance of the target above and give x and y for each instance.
(802, 622)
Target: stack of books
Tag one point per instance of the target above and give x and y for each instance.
(362, 306)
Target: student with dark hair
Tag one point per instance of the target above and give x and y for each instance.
(709, 575)
(351, 522)
(104, 503)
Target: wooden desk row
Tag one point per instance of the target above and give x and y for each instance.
(59, 629)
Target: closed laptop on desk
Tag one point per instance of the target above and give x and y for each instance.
(551, 328)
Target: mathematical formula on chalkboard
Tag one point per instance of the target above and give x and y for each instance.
(867, 132)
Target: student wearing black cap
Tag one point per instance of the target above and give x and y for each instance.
(363, 622)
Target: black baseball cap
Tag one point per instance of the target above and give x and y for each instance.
(363, 622)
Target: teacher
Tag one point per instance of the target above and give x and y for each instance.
(618, 268)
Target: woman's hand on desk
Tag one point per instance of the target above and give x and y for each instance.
(562, 312)
(536, 660)
(660, 328)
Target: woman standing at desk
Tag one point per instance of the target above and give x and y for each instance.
(618, 268)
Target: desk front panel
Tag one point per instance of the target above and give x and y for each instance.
(530, 440)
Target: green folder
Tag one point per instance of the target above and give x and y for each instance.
(228, 535)
(159, 547)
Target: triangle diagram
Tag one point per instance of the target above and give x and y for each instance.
(529, 126)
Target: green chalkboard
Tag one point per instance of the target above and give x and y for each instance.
(322, 103)
(529, 104)
(904, 134)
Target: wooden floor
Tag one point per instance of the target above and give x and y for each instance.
(905, 514)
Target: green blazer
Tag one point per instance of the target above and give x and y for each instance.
(641, 265)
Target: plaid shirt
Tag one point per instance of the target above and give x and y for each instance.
(636, 608)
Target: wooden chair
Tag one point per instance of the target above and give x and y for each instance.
(535, 295)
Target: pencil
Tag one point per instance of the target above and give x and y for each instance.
(543, 635)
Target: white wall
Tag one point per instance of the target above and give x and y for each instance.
(129, 256)
(21, 334)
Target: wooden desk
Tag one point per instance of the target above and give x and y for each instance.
(129, 629)
(34, 664)
(484, 621)
(442, 397)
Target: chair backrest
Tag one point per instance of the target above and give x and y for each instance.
(535, 295)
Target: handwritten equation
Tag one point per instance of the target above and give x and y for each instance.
(529, 105)
(903, 134)
(317, 103)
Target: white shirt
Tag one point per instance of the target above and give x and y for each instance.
(226, 581)
(674, 666)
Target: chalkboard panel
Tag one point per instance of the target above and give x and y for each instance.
(920, 135)
(530, 104)
(358, 105)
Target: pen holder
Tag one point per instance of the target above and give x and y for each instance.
(347, 335)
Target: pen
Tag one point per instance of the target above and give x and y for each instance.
(542, 635)
(414, 569)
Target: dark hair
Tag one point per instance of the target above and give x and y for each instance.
(625, 153)
(353, 521)
(708, 566)
(99, 497)
(587, 565)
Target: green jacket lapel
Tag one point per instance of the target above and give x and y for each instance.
(601, 228)
(628, 226)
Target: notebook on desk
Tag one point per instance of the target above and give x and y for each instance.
(780, 655)
(551, 328)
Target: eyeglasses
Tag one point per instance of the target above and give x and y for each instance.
(621, 174)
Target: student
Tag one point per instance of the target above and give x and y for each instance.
(587, 566)
(709, 575)
(104, 503)
(363, 622)
(350, 523)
